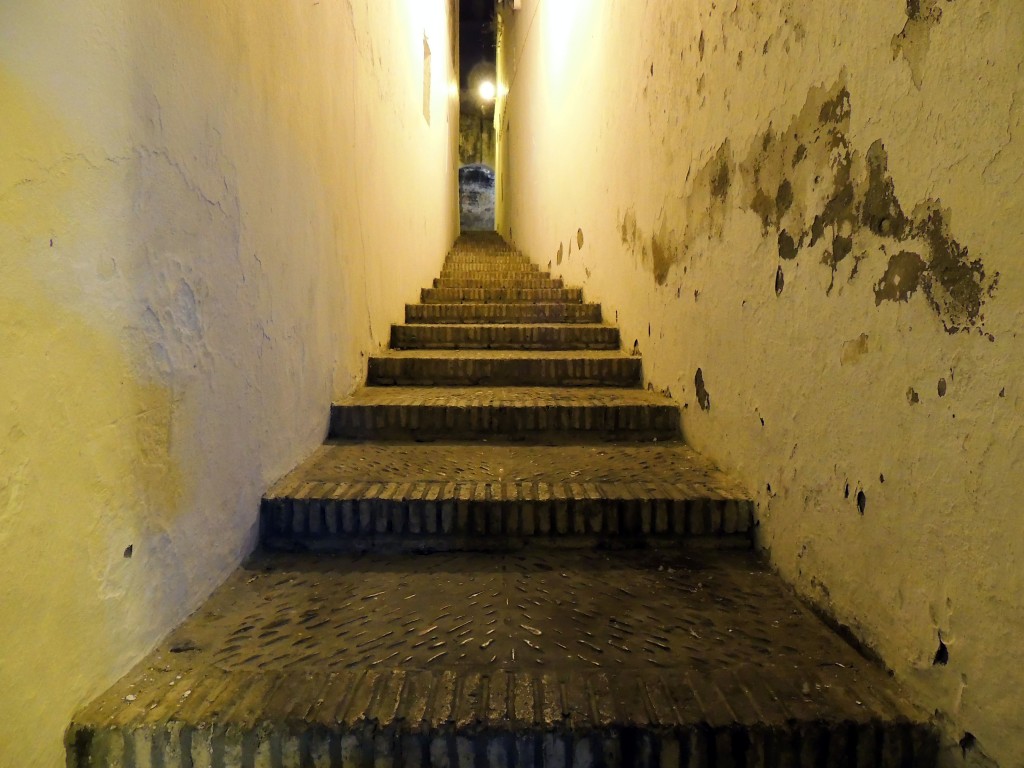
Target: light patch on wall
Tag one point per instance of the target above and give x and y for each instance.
(30, 131)
(86, 435)
(426, 79)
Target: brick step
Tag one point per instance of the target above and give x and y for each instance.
(469, 268)
(489, 264)
(507, 294)
(506, 336)
(485, 257)
(560, 659)
(496, 262)
(440, 516)
(428, 413)
(503, 277)
(529, 368)
(471, 282)
(498, 247)
(518, 312)
(415, 496)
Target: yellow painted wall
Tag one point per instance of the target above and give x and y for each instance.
(875, 355)
(209, 214)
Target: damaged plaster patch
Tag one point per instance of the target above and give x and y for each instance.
(956, 285)
(810, 186)
(901, 278)
(788, 248)
(703, 397)
(915, 38)
(881, 211)
(854, 350)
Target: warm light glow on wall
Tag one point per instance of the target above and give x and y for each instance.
(430, 41)
(563, 27)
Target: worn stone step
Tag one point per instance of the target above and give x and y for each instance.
(504, 336)
(513, 312)
(507, 294)
(414, 496)
(499, 368)
(538, 658)
(525, 413)
(526, 282)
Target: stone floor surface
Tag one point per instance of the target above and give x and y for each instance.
(587, 639)
(498, 461)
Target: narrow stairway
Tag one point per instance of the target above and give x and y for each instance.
(504, 555)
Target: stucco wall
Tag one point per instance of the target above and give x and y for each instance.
(209, 214)
(809, 216)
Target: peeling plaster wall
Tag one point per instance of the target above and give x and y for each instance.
(203, 207)
(809, 218)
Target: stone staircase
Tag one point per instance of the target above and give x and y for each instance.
(502, 556)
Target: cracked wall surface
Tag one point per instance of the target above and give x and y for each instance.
(811, 222)
(198, 208)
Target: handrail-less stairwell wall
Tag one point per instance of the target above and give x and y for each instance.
(808, 217)
(203, 211)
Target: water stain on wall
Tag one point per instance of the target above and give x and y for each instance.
(706, 211)
(822, 196)
(815, 194)
(854, 350)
